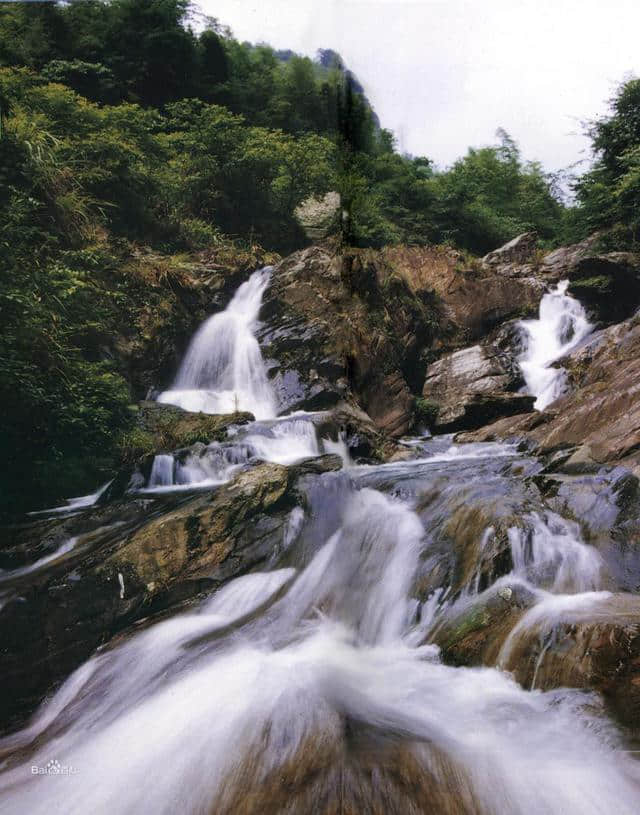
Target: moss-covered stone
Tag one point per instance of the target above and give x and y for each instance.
(163, 428)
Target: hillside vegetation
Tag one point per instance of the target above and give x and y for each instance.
(136, 136)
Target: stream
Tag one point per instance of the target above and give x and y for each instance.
(317, 684)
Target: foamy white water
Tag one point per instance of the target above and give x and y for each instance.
(288, 690)
(184, 712)
(562, 323)
(549, 551)
(223, 370)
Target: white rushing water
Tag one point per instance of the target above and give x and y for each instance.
(213, 715)
(308, 688)
(562, 323)
(223, 370)
(285, 440)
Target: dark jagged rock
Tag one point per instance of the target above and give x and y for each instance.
(473, 387)
(608, 285)
(335, 325)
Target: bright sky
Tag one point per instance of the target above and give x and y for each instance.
(445, 74)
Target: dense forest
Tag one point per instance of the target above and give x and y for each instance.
(137, 124)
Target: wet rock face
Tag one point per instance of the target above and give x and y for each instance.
(600, 416)
(598, 649)
(133, 560)
(475, 634)
(164, 304)
(335, 324)
(607, 505)
(473, 387)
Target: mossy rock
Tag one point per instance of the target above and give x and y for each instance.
(163, 428)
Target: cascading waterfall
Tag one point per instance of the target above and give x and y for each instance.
(313, 686)
(223, 370)
(307, 689)
(562, 323)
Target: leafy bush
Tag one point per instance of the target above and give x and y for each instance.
(426, 412)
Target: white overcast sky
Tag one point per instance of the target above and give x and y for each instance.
(445, 74)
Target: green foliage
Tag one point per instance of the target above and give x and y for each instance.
(121, 127)
(426, 412)
(608, 195)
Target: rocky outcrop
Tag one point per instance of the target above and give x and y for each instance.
(473, 297)
(319, 217)
(556, 264)
(129, 561)
(162, 428)
(509, 259)
(598, 421)
(341, 324)
(608, 286)
(473, 387)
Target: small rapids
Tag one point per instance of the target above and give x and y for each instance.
(562, 323)
(314, 685)
(308, 689)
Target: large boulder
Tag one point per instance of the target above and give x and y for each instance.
(319, 217)
(473, 387)
(339, 324)
(509, 259)
(556, 265)
(130, 560)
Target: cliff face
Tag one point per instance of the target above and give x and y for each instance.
(366, 323)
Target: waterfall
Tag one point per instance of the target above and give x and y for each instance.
(161, 471)
(223, 370)
(304, 689)
(562, 323)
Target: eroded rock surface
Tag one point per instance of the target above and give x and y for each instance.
(474, 386)
(335, 324)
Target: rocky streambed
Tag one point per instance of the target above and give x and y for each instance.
(327, 609)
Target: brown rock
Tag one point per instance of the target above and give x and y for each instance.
(516, 252)
(166, 553)
(474, 298)
(473, 387)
